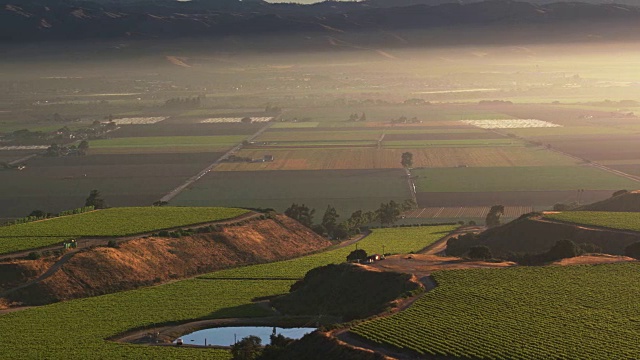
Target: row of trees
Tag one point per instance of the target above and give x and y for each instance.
(386, 214)
(56, 150)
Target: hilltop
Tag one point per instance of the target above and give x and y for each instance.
(536, 234)
(625, 202)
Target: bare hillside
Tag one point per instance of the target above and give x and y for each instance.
(153, 260)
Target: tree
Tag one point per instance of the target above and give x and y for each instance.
(83, 147)
(407, 160)
(633, 250)
(493, 217)
(357, 255)
(563, 249)
(330, 220)
(301, 213)
(37, 213)
(95, 199)
(249, 348)
(388, 213)
(408, 205)
(275, 349)
(480, 253)
(246, 120)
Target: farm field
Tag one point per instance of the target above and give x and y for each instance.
(37, 331)
(181, 129)
(452, 143)
(599, 148)
(197, 143)
(479, 212)
(108, 222)
(613, 220)
(346, 190)
(521, 313)
(319, 136)
(374, 158)
(123, 180)
(540, 178)
(540, 200)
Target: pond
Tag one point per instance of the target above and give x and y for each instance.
(227, 336)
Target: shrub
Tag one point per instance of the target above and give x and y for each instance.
(633, 250)
(34, 255)
(480, 253)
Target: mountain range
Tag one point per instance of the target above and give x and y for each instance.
(40, 20)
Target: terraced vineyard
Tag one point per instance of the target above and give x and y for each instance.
(395, 241)
(575, 312)
(108, 222)
(86, 323)
(613, 220)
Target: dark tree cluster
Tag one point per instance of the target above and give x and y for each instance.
(183, 103)
(356, 117)
(330, 226)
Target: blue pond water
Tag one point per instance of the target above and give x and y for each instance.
(226, 336)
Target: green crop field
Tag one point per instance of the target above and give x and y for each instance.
(320, 136)
(395, 241)
(534, 178)
(452, 143)
(77, 329)
(346, 190)
(108, 222)
(613, 220)
(169, 141)
(573, 312)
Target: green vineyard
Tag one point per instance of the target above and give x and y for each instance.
(613, 220)
(108, 222)
(79, 329)
(575, 312)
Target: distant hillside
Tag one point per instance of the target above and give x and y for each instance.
(38, 20)
(154, 260)
(627, 202)
(533, 235)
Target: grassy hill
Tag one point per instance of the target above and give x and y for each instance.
(627, 202)
(528, 235)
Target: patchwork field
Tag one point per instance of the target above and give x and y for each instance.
(543, 178)
(374, 158)
(123, 180)
(520, 313)
(346, 190)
